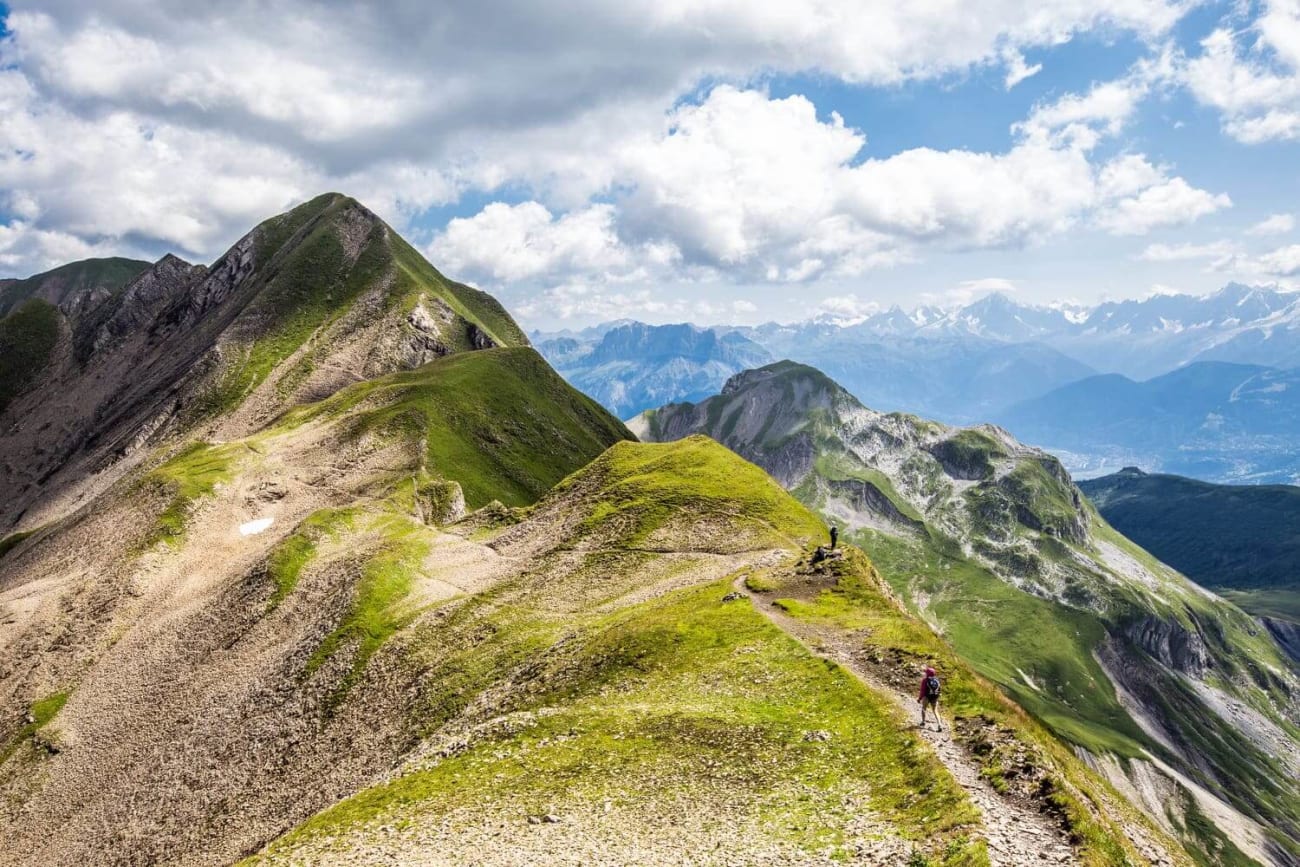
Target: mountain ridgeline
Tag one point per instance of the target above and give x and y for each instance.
(631, 367)
(1213, 420)
(1199, 385)
(1174, 694)
(304, 304)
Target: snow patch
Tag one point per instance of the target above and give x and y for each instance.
(252, 528)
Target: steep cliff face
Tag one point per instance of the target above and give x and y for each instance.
(304, 304)
(991, 541)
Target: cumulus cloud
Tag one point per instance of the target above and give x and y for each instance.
(1018, 70)
(764, 189)
(1275, 224)
(177, 125)
(1252, 75)
(507, 243)
(847, 309)
(1282, 262)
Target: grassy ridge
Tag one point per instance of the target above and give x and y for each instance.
(640, 701)
(107, 274)
(500, 421)
(310, 282)
(648, 489)
(1243, 538)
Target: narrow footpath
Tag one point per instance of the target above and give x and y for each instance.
(1016, 834)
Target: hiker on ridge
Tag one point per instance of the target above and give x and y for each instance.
(835, 535)
(929, 697)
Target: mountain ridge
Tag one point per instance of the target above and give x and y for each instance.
(1003, 520)
(304, 304)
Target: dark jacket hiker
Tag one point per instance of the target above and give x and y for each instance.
(928, 696)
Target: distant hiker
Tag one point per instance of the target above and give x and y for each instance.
(835, 536)
(929, 696)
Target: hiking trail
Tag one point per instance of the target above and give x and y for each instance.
(1016, 834)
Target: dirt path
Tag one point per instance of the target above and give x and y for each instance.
(1017, 834)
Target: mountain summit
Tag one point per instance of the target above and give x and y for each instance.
(305, 303)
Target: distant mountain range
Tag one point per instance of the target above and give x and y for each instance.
(1211, 420)
(631, 367)
(1069, 378)
(1138, 338)
(1240, 540)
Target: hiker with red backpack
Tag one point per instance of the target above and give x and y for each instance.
(929, 696)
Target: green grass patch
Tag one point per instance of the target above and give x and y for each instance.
(500, 422)
(645, 488)
(290, 557)
(189, 476)
(984, 619)
(376, 611)
(841, 467)
(859, 604)
(27, 340)
(41, 712)
(1277, 604)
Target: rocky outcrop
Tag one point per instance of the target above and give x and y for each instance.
(866, 498)
(1285, 633)
(1171, 643)
(962, 461)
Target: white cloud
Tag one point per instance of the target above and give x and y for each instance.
(1282, 262)
(507, 243)
(131, 123)
(1017, 69)
(988, 284)
(758, 189)
(848, 309)
(1275, 224)
(1169, 202)
(1252, 76)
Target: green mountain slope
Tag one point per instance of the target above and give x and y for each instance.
(641, 713)
(1242, 541)
(990, 542)
(308, 302)
(27, 339)
(74, 285)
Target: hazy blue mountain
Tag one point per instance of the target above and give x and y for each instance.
(958, 379)
(633, 366)
(1240, 540)
(1212, 420)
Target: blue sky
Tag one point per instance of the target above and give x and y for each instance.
(717, 162)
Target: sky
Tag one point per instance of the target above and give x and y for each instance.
(676, 160)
